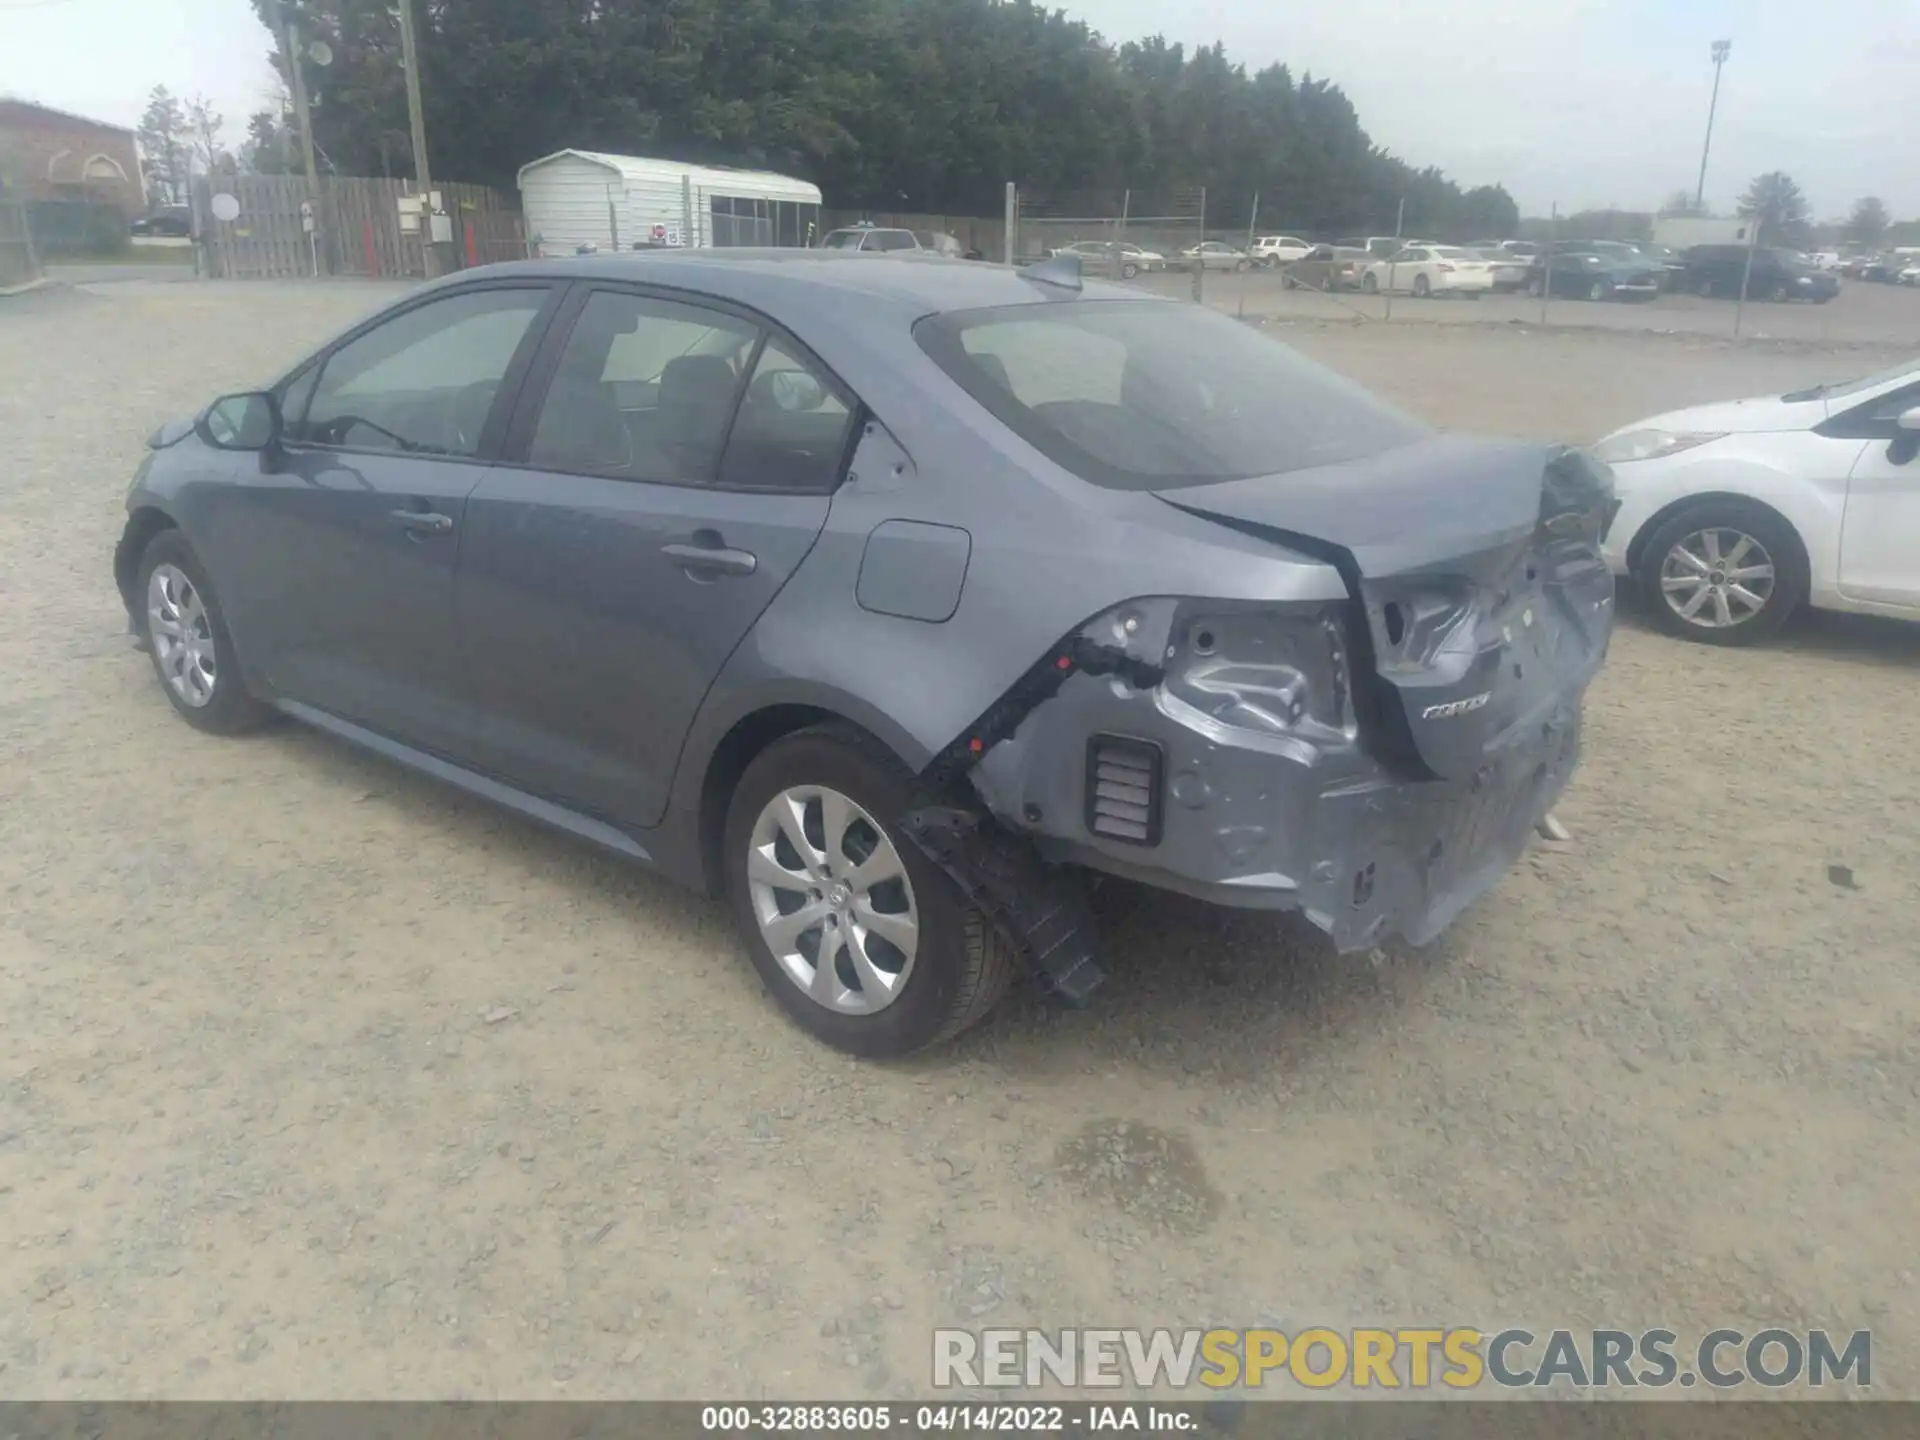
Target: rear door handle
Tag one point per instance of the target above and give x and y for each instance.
(714, 559)
(423, 522)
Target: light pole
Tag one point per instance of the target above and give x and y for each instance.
(1720, 49)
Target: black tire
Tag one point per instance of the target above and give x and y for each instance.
(1780, 294)
(1242, 265)
(1422, 287)
(1129, 270)
(962, 966)
(1705, 287)
(230, 710)
(1535, 288)
(1782, 544)
(1370, 284)
(1599, 290)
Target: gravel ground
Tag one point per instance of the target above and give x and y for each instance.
(317, 1080)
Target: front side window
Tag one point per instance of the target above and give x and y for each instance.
(842, 240)
(891, 240)
(1149, 395)
(643, 390)
(424, 381)
(791, 430)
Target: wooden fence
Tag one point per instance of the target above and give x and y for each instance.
(18, 263)
(357, 228)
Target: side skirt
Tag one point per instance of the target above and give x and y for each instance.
(544, 812)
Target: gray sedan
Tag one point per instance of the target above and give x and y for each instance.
(888, 598)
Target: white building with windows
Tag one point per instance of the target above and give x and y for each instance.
(579, 198)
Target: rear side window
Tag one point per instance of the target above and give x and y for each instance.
(791, 430)
(891, 240)
(1153, 395)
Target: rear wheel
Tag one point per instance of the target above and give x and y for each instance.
(1370, 284)
(861, 938)
(1724, 572)
(1599, 290)
(1780, 294)
(1422, 287)
(1243, 265)
(1536, 288)
(1129, 270)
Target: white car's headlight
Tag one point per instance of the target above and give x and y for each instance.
(1651, 444)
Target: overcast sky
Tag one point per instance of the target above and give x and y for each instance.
(1583, 102)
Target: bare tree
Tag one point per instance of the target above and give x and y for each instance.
(204, 125)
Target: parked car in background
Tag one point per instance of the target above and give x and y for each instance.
(1326, 267)
(1733, 516)
(1510, 272)
(941, 243)
(1910, 275)
(1119, 257)
(1781, 275)
(1214, 255)
(1826, 260)
(173, 221)
(1880, 269)
(1670, 265)
(870, 239)
(1429, 270)
(1591, 275)
(625, 550)
(1271, 250)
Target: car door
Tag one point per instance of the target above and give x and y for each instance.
(1406, 266)
(666, 472)
(337, 547)
(1880, 534)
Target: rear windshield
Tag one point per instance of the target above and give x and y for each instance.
(1155, 395)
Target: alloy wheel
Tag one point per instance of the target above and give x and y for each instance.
(182, 635)
(1717, 578)
(832, 899)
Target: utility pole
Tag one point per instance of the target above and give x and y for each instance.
(1720, 49)
(303, 117)
(417, 122)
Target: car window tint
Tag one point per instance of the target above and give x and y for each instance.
(891, 240)
(643, 390)
(1152, 396)
(791, 429)
(295, 393)
(842, 240)
(423, 381)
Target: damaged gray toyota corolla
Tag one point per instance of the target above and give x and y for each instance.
(890, 597)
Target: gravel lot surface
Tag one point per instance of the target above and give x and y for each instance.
(318, 1080)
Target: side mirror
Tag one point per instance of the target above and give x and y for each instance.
(247, 421)
(1909, 420)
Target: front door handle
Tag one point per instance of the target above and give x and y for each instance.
(702, 560)
(423, 522)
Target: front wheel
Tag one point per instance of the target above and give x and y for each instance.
(188, 641)
(1535, 288)
(860, 937)
(1723, 572)
(1370, 284)
(1599, 290)
(1129, 270)
(1422, 287)
(1242, 265)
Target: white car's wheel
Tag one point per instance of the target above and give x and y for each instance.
(1723, 572)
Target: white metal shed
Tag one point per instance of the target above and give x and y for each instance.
(584, 197)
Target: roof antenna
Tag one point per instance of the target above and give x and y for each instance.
(1061, 269)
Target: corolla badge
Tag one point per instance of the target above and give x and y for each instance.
(1456, 707)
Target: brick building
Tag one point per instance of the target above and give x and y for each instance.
(48, 154)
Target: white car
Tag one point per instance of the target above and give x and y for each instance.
(1732, 516)
(1430, 270)
(1213, 255)
(1121, 255)
(1271, 250)
(1909, 274)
